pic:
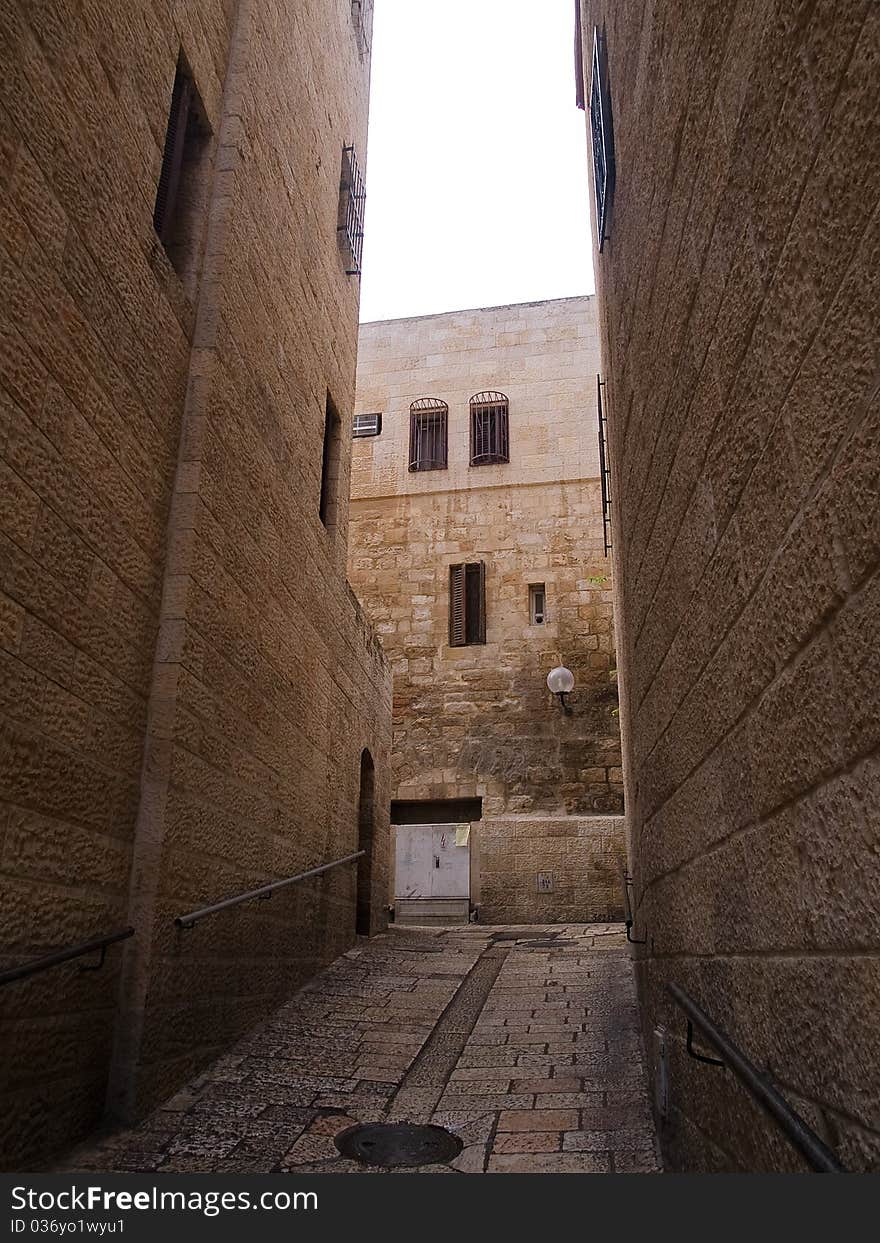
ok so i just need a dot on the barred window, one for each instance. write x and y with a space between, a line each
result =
467 604
428 434
350 222
490 440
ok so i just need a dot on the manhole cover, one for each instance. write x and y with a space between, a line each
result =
398 1143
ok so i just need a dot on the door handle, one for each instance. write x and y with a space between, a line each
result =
436 861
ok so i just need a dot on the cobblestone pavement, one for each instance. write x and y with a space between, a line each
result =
522 1041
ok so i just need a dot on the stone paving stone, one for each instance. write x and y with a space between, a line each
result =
550 1163
482 1103
566 1100
538 1120
539 1086
532 1054
636 1163
608 1141
527 1141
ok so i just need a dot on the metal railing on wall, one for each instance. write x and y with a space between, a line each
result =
36 965
604 470
191 918
796 1130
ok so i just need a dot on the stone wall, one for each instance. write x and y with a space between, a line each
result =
740 300
478 720
187 681
550 869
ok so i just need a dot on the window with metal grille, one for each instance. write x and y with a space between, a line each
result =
537 604
350 223
601 137
490 440
428 434
367 425
181 194
467 604
362 20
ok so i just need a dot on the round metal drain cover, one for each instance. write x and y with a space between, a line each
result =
398 1143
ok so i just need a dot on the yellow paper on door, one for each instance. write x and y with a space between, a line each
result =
462 834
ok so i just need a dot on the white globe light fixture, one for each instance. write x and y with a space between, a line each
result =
560 681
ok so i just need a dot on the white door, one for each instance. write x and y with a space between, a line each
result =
432 861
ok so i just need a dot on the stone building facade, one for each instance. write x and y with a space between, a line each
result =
739 286
478 738
192 703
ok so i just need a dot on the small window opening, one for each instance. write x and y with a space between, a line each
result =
537 604
367 425
182 193
328 504
467 604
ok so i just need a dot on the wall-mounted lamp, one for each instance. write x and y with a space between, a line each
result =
560 681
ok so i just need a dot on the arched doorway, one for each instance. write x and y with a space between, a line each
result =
365 843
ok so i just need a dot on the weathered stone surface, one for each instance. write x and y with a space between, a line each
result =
740 289
254 1110
187 680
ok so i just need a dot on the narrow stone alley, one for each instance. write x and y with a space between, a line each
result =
522 1042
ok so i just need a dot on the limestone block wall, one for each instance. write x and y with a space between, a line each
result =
478 720
550 869
740 300
187 682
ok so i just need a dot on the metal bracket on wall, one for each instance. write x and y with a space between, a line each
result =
700 1057
629 921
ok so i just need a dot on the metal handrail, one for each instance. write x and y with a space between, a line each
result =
65 955
628 918
796 1130
265 891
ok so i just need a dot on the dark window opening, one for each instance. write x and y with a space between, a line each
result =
350 221
428 434
328 504
537 604
182 193
366 816
467 604
367 425
436 811
490 438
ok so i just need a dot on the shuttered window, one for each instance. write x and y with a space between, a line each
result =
490 438
467 604
428 434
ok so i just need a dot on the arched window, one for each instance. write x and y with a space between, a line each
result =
427 434
490 440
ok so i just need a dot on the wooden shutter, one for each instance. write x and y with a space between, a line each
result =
172 156
457 635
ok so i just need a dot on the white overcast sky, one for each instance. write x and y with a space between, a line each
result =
477 160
